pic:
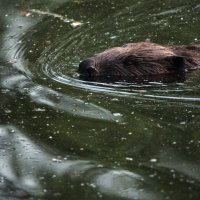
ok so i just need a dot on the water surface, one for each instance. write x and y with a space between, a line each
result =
65 138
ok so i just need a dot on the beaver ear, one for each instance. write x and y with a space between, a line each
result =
177 63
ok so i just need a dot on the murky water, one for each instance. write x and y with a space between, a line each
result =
65 138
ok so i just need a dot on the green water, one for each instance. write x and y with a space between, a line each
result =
65 138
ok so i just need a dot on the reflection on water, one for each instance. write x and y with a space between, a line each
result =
47 96
61 136
33 165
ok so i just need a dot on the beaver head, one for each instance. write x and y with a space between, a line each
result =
133 60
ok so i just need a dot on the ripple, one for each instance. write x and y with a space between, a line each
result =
155 115
112 182
152 90
58 46
46 96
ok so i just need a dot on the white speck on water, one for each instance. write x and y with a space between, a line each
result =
45 190
39 110
153 160
117 114
174 142
7 111
113 37
76 24
56 160
114 99
54 176
93 185
129 159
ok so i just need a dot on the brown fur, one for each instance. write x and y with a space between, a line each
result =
142 59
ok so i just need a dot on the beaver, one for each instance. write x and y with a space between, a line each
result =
142 59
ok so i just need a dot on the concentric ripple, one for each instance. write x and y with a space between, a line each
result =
58 66
63 136
66 45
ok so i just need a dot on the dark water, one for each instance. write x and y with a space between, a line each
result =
63 138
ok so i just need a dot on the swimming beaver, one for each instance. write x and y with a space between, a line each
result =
141 59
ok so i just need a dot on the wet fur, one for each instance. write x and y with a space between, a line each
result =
141 60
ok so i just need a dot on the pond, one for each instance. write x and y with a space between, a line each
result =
66 138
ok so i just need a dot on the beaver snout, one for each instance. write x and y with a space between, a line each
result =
86 68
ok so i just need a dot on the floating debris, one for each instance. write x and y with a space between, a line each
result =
73 23
24 13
